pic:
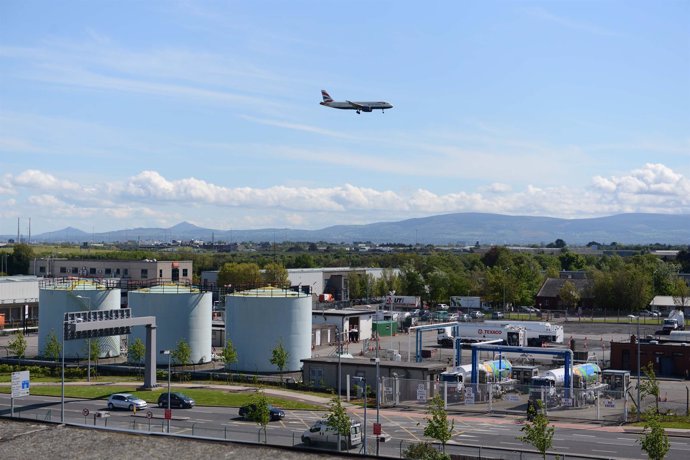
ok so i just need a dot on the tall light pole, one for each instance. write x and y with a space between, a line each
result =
169 409
88 344
363 381
638 369
62 385
505 270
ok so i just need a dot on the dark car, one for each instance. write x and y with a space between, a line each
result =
176 400
497 315
274 412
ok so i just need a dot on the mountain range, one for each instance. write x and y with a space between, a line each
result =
457 229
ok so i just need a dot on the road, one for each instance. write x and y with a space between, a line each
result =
402 428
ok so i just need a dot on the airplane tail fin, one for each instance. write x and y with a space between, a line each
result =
326 97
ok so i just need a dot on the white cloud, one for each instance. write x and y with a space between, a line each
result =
150 197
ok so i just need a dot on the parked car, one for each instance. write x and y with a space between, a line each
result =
321 432
125 401
176 400
453 317
497 315
477 315
442 306
465 318
425 316
274 412
527 309
651 314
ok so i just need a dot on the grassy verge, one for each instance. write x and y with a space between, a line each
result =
203 397
672 421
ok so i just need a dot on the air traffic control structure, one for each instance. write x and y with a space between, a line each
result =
106 323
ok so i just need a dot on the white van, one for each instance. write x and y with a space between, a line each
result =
322 433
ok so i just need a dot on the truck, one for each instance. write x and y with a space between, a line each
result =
674 322
536 333
480 332
492 371
323 433
587 375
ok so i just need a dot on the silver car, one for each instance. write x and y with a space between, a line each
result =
125 401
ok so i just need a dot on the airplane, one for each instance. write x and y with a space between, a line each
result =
349 105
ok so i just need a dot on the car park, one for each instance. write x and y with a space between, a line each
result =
125 401
273 412
176 400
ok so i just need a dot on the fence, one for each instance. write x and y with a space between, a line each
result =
596 403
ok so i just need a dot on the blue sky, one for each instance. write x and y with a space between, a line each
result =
124 114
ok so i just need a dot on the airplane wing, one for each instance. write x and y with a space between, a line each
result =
358 106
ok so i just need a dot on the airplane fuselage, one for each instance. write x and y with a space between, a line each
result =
366 106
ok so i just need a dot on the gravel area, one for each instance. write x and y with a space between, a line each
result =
26 440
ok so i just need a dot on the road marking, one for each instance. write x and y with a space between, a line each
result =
584 435
605 451
511 443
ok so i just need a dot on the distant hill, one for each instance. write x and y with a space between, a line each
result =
459 228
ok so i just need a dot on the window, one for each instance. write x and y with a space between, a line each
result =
63 269
92 271
75 270
42 269
160 273
108 271
126 272
117 272
144 273
184 272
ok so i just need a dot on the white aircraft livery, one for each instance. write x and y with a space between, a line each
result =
350 105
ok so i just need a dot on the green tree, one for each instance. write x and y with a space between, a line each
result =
569 295
94 352
19 261
18 345
52 348
654 439
649 386
259 411
537 431
136 351
276 274
229 355
338 418
182 354
424 451
279 358
239 275
437 424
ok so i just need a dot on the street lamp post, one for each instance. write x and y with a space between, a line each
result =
88 305
169 409
638 364
363 381
638 369
62 384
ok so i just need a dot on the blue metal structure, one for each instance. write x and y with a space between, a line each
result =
431 327
566 353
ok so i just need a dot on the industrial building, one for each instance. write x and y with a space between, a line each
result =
668 359
130 270
181 312
18 300
257 320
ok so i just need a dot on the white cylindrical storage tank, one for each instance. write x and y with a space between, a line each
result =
258 320
182 313
54 301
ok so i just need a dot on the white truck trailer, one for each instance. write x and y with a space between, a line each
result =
481 332
536 332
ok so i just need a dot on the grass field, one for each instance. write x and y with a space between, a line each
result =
202 396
